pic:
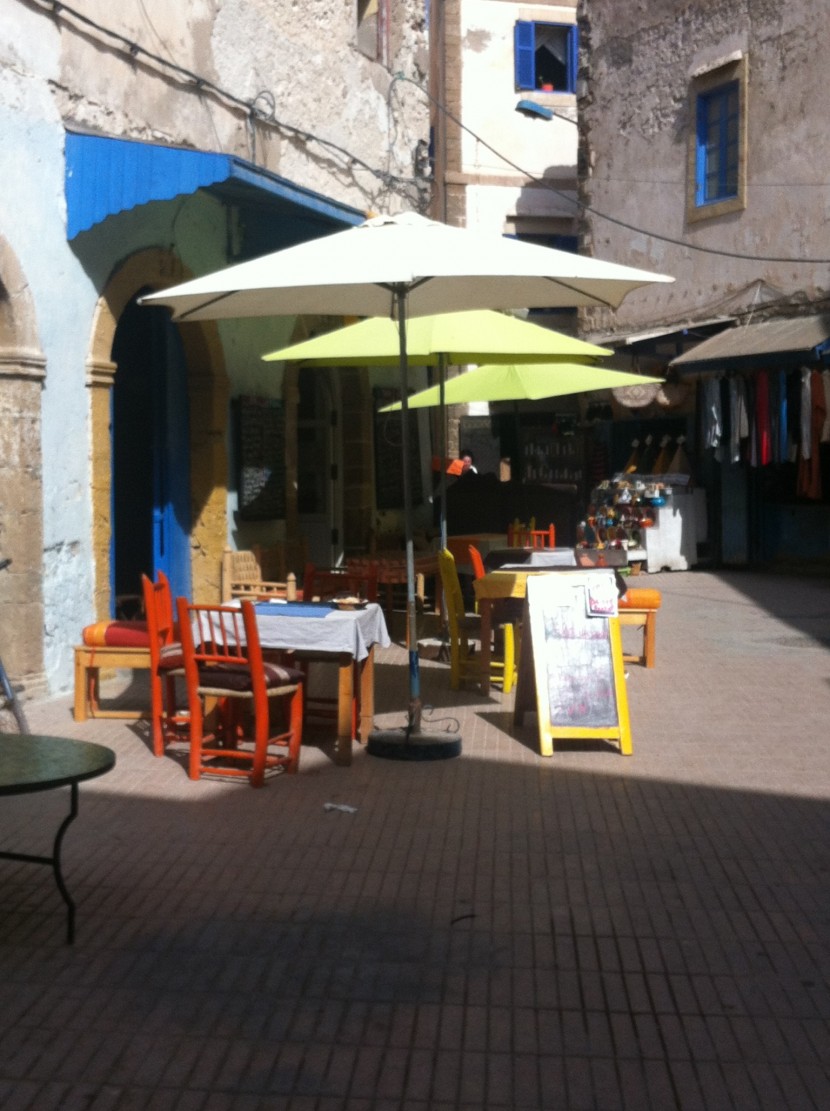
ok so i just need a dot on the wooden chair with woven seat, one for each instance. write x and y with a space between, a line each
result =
223 661
168 723
465 627
242 577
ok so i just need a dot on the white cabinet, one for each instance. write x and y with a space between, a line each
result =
671 542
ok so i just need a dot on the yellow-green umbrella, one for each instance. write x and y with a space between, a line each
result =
522 382
474 336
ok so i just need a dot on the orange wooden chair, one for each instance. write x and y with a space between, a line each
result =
524 536
166 663
223 660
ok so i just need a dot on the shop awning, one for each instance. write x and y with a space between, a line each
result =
804 336
105 176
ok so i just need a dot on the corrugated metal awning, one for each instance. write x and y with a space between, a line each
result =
807 336
105 176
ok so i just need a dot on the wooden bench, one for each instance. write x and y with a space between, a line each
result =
108 645
638 607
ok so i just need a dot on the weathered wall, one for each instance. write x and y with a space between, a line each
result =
274 81
500 151
638 62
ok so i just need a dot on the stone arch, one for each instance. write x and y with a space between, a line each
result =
156 268
22 371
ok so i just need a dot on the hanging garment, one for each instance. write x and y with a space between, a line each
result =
762 418
738 417
806 411
793 415
808 484
782 417
712 419
825 431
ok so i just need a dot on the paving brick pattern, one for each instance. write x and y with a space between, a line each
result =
498 931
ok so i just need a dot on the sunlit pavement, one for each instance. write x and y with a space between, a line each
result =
501 930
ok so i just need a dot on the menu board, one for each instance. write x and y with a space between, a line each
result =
261 455
577 666
389 453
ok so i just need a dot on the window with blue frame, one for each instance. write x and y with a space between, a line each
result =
546 56
718 127
717 140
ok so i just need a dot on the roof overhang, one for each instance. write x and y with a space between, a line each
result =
105 176
805 337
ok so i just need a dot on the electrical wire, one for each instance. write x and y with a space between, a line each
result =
587 208
203 84
389 180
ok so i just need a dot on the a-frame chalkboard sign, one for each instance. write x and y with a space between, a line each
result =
572 672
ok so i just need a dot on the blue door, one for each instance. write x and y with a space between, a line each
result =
150 454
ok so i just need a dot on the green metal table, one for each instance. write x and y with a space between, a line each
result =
34 763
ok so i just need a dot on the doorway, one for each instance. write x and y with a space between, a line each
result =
317 469
151 517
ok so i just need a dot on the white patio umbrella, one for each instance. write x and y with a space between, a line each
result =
402 266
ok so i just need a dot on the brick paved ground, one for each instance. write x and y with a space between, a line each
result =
496 931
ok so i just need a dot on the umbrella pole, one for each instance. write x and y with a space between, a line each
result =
410 743
411 615
442 437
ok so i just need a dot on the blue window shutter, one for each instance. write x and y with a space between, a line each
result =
573 58
524 40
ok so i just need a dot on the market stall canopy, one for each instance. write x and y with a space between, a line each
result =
473 336
523 382
805 336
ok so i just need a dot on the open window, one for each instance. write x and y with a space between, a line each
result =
717 141
546 56
373 29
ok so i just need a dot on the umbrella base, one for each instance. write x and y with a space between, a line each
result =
401 744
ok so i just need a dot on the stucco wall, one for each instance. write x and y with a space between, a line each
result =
635 117
326 117
501 149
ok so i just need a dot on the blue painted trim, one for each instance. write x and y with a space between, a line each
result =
105 176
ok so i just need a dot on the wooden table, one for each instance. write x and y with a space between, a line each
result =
30 764
346 637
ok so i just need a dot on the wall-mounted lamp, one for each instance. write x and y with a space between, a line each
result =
534 110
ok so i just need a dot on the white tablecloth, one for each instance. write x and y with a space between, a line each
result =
350 631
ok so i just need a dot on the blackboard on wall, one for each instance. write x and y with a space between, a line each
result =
389 453
261 457
576 674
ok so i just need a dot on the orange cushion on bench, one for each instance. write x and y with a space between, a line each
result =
640 598
117 634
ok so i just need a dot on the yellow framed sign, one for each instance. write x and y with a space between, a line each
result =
573 663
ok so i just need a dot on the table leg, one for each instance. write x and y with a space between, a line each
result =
345 700
485 609
55 861
367 695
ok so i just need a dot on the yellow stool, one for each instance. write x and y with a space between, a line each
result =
638 607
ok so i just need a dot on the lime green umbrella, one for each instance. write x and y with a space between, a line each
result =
474 336
522 382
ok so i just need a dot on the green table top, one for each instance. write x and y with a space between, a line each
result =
36 763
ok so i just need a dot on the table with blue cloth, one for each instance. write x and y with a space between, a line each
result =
346 636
